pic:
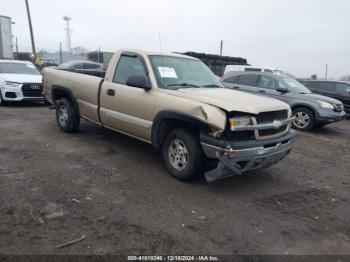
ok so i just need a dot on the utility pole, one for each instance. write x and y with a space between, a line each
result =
17 49
61 59
31 30
221 46
68 32
326 72
99 55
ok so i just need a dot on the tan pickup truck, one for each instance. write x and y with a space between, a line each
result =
175 103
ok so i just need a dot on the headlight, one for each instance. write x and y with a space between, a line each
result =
239 121
324 104
13 84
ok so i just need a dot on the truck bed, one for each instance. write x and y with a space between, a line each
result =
84 88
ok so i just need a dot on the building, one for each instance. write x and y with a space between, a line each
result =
5 38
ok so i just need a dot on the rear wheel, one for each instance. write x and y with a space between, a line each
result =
304 119
183 155
68 119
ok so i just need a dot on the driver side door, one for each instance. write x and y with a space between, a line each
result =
126 108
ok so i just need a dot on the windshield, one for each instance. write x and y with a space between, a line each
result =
294 86
178 72
18 68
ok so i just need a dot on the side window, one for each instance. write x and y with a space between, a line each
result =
326 86
310 84
343 88
77 66
250 69
268 71
248 80
267 82
90 66
128 66
231 79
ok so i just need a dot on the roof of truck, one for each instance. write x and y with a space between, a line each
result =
144 52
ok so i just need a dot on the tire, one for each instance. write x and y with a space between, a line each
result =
67 118
184 165
304 119
2 102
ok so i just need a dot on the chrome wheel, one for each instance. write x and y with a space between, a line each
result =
63 115
301 120
178 154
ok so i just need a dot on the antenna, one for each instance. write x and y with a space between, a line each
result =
68 32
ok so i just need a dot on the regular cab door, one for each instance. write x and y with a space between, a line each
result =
126 108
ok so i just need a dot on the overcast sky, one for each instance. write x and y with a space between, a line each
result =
299 36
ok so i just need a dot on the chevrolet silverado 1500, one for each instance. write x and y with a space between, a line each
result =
175 103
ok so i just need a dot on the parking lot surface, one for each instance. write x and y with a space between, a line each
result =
114 190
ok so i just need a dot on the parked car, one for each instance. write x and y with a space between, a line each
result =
175 103
19 80
249 68
310 110
84 67
337 89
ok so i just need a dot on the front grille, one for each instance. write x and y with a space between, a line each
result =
338 107
269 117
32 90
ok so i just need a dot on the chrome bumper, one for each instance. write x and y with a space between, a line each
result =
236 162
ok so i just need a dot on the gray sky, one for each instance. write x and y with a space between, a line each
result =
299 36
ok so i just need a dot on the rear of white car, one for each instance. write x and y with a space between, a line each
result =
19 81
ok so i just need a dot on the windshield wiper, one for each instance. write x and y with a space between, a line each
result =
183 84
212 86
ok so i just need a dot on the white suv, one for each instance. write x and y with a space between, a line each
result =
246 68
19 80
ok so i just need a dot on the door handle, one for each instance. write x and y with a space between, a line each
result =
261 91
236 87
110 92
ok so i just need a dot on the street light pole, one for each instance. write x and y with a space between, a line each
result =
31 30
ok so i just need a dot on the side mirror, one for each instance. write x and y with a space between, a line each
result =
138 81
282 89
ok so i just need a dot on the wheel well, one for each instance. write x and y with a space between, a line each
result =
169 124
59 92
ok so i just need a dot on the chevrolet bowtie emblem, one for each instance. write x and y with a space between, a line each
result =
277 124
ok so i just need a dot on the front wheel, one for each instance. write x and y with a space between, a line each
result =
68 119
183 155
304 119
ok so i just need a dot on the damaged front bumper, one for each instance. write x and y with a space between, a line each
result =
238 157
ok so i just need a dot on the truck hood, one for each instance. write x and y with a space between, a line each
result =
22 78
232 100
